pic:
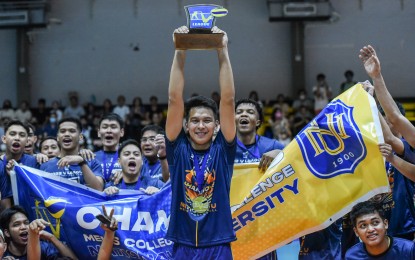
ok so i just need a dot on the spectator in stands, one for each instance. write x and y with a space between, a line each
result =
302 100
51 127
56 110
70 164
301 119
282 104
155 108
133 178
371 227
23 239
121 108
91 113
40 114
322 93
49 146
7 111
254 96
153 148
216 97
74 110
137 117
279 123
23 114
106 107
349 81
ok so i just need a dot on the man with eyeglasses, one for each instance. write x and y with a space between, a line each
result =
153 148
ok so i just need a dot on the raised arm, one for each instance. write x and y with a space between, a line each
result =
176 86
395 142
227 91
372 66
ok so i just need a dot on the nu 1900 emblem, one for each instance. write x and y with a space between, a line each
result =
332 143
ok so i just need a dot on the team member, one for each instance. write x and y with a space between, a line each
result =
31 140
49 146
401 123
201 169
23 239
111 130
15 137
153 147
69 164
133 178
251 147
371 227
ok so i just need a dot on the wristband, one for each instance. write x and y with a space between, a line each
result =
82 163
162 157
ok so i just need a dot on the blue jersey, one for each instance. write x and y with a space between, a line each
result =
323 244
5 183
152 170
253 153
349 238
143 182
109 163
402 220
197 210
72 172
47 251
399 249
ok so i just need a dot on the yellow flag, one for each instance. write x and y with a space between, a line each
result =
332 164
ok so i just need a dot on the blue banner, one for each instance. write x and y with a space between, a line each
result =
71 209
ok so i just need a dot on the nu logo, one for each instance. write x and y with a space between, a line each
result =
332 143
52 212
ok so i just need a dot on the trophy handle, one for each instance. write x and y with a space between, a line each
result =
193 41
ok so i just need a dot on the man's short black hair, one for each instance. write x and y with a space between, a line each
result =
400 107
365 208
72 120
348 72
30 126
200 101
321 76
16 122
125 143
256 105
155 128
48 138
6 216
112 117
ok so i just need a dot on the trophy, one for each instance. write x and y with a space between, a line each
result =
200 21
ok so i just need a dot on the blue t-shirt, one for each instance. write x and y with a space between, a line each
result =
47 252
72 172
399 249
111 163
253 153
143 182
200 218
323 244
152 170
402 220
5 183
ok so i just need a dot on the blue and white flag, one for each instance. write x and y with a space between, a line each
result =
71 209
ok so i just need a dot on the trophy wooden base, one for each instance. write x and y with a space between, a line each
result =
194 41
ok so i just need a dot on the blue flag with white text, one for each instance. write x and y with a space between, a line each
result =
71 209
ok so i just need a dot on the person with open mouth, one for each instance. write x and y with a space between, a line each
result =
130 159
